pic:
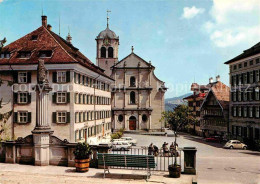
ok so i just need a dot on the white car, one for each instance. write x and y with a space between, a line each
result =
121 145
130 140
235 144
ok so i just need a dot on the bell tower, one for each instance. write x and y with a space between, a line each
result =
107 48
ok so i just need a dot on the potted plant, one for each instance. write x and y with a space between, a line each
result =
82 156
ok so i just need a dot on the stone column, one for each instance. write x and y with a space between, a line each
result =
42 130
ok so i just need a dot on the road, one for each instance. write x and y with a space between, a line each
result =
215 165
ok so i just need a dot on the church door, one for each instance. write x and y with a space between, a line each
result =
132 123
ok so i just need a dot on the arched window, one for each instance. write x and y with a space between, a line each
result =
103 52
132 81
132 97
110 52
120 118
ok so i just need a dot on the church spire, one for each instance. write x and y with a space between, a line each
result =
108 11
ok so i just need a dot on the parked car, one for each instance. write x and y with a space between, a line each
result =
130 140
235 144
121 145
214 139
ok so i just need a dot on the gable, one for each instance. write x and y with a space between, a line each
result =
132 61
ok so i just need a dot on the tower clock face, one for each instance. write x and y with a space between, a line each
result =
106 42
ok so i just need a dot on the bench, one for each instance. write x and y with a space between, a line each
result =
124 160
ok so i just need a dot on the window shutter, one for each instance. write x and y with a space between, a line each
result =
54 77
54 97
15 77
15 98
29 77
29 96
54 117
242 78
68 97
68 117
68 76
84 116
29 117
15 117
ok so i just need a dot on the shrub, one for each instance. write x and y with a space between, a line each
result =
82 151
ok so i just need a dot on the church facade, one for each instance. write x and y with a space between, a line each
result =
137 94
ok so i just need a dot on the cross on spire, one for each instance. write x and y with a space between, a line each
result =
108 11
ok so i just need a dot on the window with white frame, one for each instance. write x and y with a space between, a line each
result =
22 97
234 111
22 117
245 111
61 97
239 111
257 112
250 112
61 76
61 117
22 77
256 93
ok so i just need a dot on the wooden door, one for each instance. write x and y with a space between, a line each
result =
132 124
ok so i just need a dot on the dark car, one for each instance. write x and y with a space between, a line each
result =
214 139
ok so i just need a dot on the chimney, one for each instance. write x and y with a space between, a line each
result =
49 27
68 38
211 80
217 78
44 21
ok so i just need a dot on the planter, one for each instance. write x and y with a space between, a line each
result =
82 165
174 171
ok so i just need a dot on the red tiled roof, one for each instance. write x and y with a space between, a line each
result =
62 51
221 92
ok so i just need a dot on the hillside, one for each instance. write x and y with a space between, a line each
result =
171 103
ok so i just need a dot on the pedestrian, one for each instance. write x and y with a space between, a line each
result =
150 149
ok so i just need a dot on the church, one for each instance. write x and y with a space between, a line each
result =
137 94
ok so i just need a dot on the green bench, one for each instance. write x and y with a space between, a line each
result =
123 160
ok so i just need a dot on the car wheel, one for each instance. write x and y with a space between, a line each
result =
231 147
244 147
122 149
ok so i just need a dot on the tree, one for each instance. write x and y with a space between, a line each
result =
177 119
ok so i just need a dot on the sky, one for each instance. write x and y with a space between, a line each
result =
186 40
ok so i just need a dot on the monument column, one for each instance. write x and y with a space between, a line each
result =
42 130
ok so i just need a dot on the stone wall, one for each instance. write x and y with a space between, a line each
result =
21 151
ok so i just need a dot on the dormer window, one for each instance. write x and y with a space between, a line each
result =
24 54
34 37
45 53
5 55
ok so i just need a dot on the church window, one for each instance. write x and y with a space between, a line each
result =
103 52
144 117
132 81
110 52
120 118
132 97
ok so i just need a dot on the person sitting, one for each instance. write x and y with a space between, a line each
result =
150 149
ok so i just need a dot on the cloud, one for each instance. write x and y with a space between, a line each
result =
1 1
234 22
189 13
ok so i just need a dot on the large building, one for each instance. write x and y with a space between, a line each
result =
194 103
214 110
79 104
244 105
138 95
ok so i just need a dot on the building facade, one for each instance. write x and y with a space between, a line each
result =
244 107
214 110
79 104
194 102
138 95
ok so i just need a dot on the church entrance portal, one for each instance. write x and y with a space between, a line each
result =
132 123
